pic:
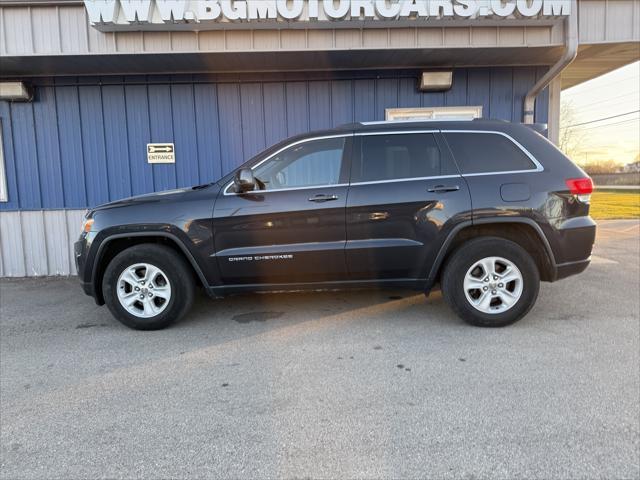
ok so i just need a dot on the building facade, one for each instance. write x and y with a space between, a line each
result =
220 80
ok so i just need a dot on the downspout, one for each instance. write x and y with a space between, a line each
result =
570 52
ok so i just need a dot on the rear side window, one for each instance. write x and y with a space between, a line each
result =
487 153
397 156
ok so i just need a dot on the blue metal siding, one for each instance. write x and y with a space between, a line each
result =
92 132
161 121
458 94
207 131
229 113
83 140
253 118
24 148
501 92
116 140
341 102
71 151
184 134
364 92
297 102
138 134
275 110
48 148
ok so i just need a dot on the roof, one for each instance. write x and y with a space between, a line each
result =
390 126
475 124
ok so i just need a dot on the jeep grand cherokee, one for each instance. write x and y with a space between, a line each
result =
487 209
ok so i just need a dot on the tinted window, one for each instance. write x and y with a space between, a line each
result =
316 162
487 152
390 157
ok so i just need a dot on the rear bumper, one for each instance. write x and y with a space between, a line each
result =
573 244
565 270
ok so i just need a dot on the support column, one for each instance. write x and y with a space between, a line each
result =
555 88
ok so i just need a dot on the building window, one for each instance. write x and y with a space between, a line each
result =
4 195
434 113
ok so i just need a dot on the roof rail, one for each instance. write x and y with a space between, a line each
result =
541 128
448 119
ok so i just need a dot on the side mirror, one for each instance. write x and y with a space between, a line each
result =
244 180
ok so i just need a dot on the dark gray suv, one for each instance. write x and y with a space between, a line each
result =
485 208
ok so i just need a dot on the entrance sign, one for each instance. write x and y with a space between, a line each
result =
153 14
161 153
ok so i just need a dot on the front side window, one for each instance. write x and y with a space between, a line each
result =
487 153
307 164
396 157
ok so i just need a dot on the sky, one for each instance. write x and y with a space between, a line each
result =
614 94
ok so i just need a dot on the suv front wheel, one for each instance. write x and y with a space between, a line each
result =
490 282
148 287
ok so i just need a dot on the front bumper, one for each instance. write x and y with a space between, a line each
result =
80 253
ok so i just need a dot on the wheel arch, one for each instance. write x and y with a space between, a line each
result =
523 231
116 243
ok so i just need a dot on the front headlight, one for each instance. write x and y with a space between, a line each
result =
87 222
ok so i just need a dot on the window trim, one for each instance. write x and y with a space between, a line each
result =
4 192
539 167
529 155
289 145
409 179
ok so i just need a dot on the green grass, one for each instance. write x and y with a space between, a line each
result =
611 204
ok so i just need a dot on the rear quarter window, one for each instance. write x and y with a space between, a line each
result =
487 153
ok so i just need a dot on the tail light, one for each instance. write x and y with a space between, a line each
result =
582 188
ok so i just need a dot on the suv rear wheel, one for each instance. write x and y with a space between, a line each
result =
148 287
490 282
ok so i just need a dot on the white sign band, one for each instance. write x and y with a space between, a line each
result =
137 13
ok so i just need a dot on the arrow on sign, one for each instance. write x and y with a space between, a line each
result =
167 149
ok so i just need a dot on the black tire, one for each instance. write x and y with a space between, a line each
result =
465 257
177 271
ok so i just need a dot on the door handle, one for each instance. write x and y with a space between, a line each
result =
323 198
444 188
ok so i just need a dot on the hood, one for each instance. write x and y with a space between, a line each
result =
166 195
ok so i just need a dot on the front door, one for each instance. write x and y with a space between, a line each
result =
292 229
404 191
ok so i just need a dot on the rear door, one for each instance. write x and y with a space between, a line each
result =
293 229
405 190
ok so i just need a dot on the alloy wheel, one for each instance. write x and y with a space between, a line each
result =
144 290
493 285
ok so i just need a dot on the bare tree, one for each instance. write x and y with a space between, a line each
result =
570 137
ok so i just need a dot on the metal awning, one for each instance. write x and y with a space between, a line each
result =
48 65
598 59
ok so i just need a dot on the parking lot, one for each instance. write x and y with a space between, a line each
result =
333 385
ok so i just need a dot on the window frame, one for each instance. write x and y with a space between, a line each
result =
288 159
444 155
413 114
345 158
538 166
4 192
348 154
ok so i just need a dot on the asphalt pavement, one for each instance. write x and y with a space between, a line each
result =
365 384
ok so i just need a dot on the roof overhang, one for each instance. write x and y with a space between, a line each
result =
275 61
598 59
